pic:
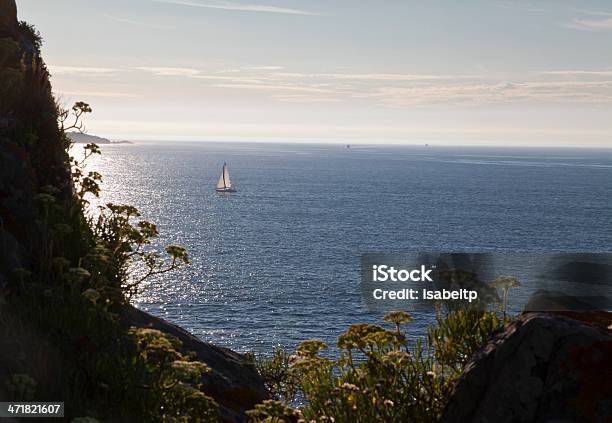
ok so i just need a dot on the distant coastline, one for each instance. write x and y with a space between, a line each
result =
80 138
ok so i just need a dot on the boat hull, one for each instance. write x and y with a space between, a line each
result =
225 190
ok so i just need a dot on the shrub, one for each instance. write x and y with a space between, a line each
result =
281 382
32 34
380 375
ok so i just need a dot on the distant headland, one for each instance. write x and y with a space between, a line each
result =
80 138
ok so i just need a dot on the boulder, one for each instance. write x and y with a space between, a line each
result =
233 382
540 368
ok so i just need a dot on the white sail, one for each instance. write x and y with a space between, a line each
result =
228 181
221 182
224 182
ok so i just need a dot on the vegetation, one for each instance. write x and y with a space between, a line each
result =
380 375
32 35
61 329
505 283
281 381
70 303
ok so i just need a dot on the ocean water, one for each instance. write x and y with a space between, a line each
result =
278 262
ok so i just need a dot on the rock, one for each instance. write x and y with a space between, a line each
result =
233 383
540 368
8 19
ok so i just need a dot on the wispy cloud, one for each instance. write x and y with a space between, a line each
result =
385 89
579 72
182 72
495 92
240 7
522 6
265 68
591 24
105 94
305 98
364 76
407 89
169 71
134 22
275 87
591 20
82 70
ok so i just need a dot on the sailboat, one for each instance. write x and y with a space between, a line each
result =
225 183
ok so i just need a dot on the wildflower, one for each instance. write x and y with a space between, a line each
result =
388 403
397 358
311 347
398 317
355 336
350 386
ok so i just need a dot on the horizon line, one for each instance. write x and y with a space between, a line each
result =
351 142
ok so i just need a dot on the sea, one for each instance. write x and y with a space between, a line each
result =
278 262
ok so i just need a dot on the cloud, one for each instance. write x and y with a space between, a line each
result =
109 94
269 68
387 89
363 76
241 7
305 98
594 25
275 87
593 21
83 70
523 7
168 71
577 72
193 73
138 23
494 92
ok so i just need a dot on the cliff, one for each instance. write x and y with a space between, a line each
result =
66 330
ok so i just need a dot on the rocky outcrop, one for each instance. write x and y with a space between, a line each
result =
31 151
233 382
540 368
8 18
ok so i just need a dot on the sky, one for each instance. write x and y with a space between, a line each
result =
372 71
